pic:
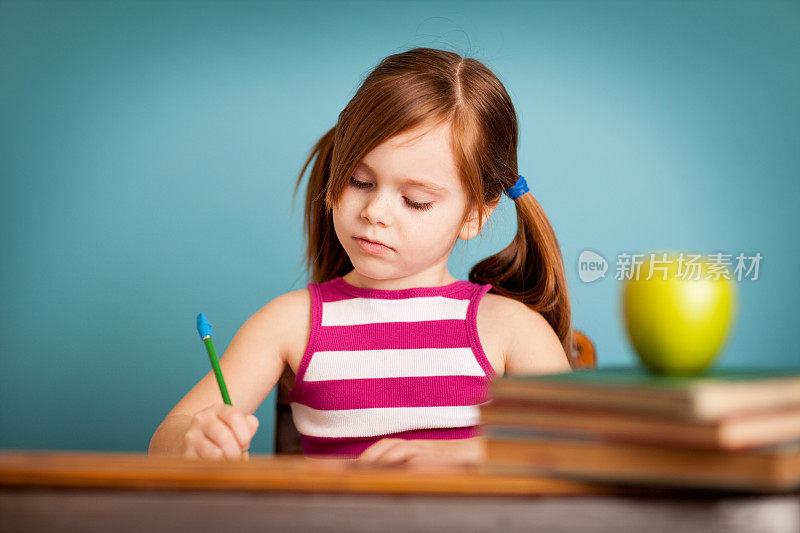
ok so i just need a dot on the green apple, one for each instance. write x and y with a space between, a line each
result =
676 324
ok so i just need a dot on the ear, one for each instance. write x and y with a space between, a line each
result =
471 227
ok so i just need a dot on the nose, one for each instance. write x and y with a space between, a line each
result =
376 210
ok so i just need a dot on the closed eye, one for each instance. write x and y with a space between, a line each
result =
413 205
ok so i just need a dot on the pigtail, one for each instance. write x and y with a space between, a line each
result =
531 270
325 257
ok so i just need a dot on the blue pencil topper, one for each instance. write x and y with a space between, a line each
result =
203 326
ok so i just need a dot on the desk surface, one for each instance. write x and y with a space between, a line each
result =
80 491
286 473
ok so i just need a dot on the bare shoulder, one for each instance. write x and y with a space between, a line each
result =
525 340
292 301
293 310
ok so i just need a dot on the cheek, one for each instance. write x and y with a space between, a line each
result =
347 204
339 221
345 215
438 229
428 238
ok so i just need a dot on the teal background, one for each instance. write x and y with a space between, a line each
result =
148 152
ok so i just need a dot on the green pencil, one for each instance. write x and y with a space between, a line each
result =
204 329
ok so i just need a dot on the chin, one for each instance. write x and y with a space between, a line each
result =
369 269
370 272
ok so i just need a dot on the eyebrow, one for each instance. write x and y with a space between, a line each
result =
411 181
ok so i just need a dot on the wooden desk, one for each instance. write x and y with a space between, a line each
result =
78 491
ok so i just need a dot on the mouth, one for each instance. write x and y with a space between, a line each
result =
373 244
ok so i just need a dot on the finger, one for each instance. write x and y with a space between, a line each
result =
372 451
396 455
190 453
220 434
376 450
191 440
206 449
431 463
237 422
252 424
430 457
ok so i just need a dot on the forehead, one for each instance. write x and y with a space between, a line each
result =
421 154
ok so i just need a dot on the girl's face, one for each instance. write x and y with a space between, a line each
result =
407 195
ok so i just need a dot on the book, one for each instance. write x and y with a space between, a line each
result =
738 432
717 394
768 469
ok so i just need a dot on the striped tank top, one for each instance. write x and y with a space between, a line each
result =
381 363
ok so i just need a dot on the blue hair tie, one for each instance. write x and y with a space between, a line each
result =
518 189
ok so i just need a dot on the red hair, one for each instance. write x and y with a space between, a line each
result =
429 86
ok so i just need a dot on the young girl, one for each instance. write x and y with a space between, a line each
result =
392 355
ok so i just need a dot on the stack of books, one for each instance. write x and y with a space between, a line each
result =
731 429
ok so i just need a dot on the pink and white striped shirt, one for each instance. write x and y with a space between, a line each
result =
384 363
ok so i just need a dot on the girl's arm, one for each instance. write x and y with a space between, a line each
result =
251 365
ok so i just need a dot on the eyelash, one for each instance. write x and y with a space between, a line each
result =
412 205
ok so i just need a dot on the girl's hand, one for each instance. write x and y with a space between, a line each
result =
219 432
423 452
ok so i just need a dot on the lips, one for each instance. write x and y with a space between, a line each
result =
374 242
